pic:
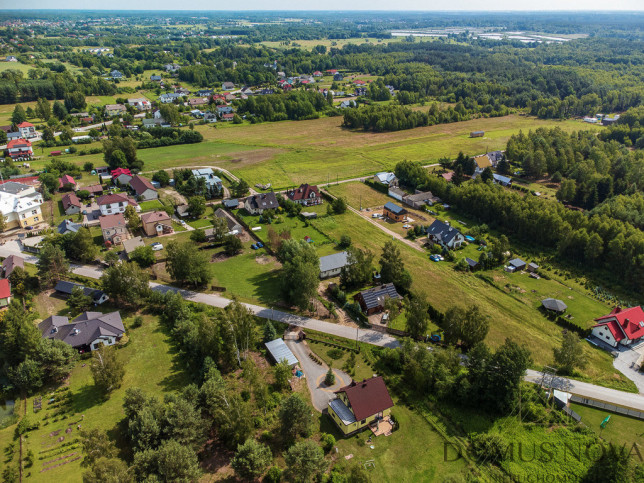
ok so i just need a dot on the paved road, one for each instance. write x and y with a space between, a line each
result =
590 391
321 394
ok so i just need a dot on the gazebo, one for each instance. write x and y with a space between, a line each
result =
554 305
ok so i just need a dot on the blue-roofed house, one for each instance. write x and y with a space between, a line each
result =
394 212
445 235
385 178
155 78
213 182
502 180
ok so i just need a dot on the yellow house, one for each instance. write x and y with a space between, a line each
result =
360 404
20 210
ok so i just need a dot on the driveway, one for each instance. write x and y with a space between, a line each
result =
628 362
321 394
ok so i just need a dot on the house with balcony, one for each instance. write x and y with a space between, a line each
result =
20 149
114 228
156 223
27 130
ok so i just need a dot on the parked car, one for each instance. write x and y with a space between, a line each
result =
253 246
260 245
156 246
435 258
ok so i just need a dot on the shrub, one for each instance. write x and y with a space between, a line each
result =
335 353
327 441
137 322
273 475
489 447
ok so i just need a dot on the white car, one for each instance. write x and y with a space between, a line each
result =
157 246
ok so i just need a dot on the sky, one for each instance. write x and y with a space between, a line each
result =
398 5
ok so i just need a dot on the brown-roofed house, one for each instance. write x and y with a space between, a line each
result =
306 195
362 404
71 204
143 188
10 263
94 190
156 223
114 228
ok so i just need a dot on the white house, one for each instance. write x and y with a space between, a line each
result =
213 182
385 178
27 130
445 235
20 208
621 326
331 265
115 203
141 103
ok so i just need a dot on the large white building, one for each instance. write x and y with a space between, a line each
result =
20 205
213 182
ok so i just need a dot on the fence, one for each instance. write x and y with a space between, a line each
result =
608 407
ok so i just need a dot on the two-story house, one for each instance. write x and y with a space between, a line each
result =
213 182
27 130
115 203
306 194
19 149
114 228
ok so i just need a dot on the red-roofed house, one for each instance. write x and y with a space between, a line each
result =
361 404
20 149
115 203
5 292
332 71
621 326
71 204
306 195
359 82
156 223
317 73
66 182
26 130
143 188
114 228
121 176
228 117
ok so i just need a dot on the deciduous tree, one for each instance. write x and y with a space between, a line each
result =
107 370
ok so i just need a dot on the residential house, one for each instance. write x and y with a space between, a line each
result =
280 352
11 58
94 189
13 135
204 93
27 130
332 71
338 77
621 326
5 292
445 235
361 91
143 188
156 223
213 182
19 189
196 113
306 195
348 104
227 86
168 98
132 244
231 204
19 149
396 193
495 157
420 199
183 91
234 227
477 134
66 182
394 212
448 176
317 73
10 263
197 101
247 91
102 170
71 204
517 264
210 116
140 103
115 74
221 110
361 405
502 180
115 110
391 90
229 97
228 117
172 67
256 204
98 296
121 176
114 228
20 210
332 265
67 226
182 211
115 203
85 333
386 178
482 162
155 78
372 300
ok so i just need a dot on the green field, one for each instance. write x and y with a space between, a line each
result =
620 430
151 364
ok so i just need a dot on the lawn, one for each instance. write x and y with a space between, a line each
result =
152 205
326 353
151 363
359 195
620 430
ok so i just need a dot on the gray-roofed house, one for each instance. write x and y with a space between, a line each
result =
373 300
68 226
473 264
132 244
418 200
445 235
98 296
86 332
396 193
10 263
554 304
385 178
155 78
532 267
234 228
213 182
331 265
517 263
232 204
182 211
256 204
280 352
227 86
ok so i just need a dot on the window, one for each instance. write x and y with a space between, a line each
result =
36 219
33 212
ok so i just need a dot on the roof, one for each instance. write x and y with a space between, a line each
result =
375 297
119 171
230 221
630 320
25 124
94 189
19 143
483 161
385 177
112 221
234 203
470 262
614 328
422 196
441 230
333 262
394 208
396 191
279 351
115 107
132 244
517 263
84 329
66 226
14 188
10 263
112 198
140 184
154 217
368 397
448 176
343 412
70 199
264 201
502 179
303 192
5 289
554 304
